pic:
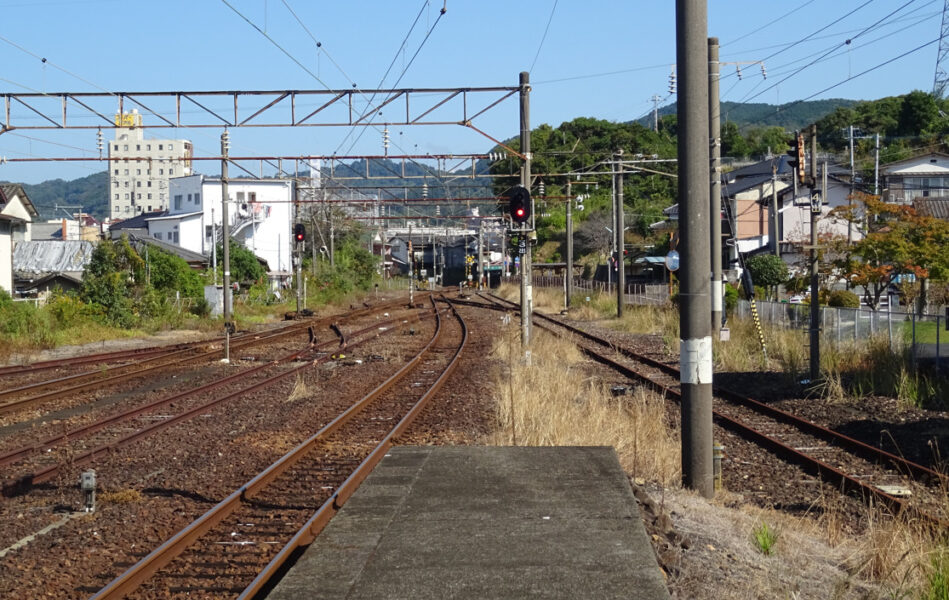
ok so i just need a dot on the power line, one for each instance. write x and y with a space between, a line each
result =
845 43
768 24
544 37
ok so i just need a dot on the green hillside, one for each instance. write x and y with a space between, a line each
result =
791 116
91 193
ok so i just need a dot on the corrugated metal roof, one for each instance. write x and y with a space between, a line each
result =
932 207
52 256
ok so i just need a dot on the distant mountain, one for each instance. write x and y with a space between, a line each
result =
91 193
791 116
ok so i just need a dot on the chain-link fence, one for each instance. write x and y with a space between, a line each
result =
924 336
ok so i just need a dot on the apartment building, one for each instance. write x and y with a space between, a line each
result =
140 168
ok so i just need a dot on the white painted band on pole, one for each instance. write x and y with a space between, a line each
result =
695 361
716 295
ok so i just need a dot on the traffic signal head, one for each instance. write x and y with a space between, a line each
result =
519 204
299 232
796 154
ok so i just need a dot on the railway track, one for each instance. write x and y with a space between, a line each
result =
108 435
851 465
156 359
237 548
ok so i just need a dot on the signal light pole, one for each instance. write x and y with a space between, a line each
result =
226 235
526 288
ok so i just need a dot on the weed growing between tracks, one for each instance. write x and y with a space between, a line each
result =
552 403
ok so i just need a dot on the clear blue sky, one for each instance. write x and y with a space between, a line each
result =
598 58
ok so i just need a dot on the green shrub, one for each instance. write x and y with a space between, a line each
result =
731 297
843 299
765 538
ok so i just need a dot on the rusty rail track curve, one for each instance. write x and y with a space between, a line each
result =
24 483
91 379
833 439
276 484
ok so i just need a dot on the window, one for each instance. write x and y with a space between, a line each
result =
171 171
149 208
149 184
158 236
128 208
138 146
189 198
116 172
177 201
174 237
149 197
197 199
138 171
126 172
116 196
171 146
125 147
161 197
252 196
138 184
139 196
208 231
126 196
116 147
126 184
160 147
161 171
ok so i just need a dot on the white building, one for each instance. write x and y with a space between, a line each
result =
16 215
140 169
260 212
925 176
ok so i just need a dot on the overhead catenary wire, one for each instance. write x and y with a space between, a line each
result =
543 38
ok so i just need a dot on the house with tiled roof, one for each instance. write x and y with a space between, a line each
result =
925 176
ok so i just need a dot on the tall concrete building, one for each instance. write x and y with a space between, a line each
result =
139 168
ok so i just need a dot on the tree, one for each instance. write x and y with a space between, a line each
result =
768 271
898 242
244 265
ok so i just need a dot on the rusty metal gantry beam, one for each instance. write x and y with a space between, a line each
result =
276 108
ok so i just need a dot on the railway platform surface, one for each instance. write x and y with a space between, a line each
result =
484 522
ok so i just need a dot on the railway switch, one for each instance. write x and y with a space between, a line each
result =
87 483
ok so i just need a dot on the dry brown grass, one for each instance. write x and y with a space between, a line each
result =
299 390
126 496
551 403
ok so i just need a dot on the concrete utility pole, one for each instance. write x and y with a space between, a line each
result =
618 230
695 345
655 112
774 237
815 301
569 271
853 175
715 189
480 254
226 235
876 168
527 304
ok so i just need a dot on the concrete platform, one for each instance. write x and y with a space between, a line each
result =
484 522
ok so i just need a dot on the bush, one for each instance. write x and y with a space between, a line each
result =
731 297
843 299
201 307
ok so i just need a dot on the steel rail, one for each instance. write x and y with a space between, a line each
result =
334 503
95 378
133 577
92 358
843 480
24 483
